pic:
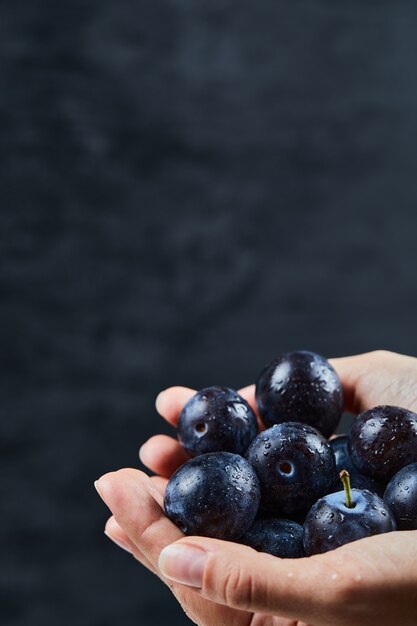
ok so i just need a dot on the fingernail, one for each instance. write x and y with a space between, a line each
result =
140 452
118 542
183 563
159 402
101 485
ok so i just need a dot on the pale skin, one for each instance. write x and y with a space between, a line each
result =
218 583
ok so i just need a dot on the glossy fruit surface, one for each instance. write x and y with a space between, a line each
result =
383 440
300 387
343 461
360 481
295 466
401 497
342 456
330 523
216 419
279 537
213 495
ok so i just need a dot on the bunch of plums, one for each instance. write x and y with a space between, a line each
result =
280 485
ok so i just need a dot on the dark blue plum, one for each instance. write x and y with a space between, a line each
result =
343 461
360 481
279 537
216 419
383 440
342 457
331 524
300 387
295 467
401 497
214 495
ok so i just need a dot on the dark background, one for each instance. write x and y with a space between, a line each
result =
187 189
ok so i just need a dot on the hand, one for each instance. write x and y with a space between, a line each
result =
371 581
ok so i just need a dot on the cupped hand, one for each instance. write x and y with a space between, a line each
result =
371 581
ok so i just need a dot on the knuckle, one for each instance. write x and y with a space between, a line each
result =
345 592
380 354
239 588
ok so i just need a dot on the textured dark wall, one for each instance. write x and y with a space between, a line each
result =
187 188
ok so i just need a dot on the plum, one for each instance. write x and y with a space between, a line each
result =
302 387
401 497
383 440
214 495
279 537
343 517
216 419
344 462
295 467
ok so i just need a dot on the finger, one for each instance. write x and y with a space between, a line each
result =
137 506
160 484
349 369
113 531
163 455
116 534
355 371
239 577
130 495
378 377
135 503
248 393
170 402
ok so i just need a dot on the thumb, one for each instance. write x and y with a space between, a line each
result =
240 577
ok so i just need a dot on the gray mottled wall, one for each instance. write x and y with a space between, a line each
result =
187 188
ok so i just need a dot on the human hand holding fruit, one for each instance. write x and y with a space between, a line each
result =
371 580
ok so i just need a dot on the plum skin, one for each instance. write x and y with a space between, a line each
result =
279 537
300 386
383 440
344 462
295 466
216 419
401 496
343 459
213 495
331 524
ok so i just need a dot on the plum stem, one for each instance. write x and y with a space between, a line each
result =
344 477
